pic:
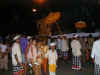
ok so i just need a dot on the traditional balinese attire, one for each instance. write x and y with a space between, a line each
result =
52 59
4 57
32 54
16 50
65 48
59 47
96 56
38 63
76 51
44 60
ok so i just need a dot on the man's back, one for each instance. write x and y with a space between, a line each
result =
76 48
96 51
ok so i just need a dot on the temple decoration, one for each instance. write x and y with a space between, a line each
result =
45 25
80 24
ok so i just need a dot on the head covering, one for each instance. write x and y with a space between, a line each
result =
29 37
16 37
53 44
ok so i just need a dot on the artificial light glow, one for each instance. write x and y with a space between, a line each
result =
80 24
34 10
52 17
39 1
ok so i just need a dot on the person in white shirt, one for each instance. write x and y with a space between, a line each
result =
4 57
96 56
76 52
52 59
17 57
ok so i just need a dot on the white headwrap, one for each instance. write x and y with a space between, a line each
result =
53 44
16 37
29 37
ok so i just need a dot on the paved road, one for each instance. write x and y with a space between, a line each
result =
64 69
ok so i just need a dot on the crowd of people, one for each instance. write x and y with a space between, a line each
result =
41 55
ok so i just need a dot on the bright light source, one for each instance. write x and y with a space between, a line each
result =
39 1
34 10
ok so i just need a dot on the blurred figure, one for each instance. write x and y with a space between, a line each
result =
52 59
49 41
4 56
27 55
38 59
84 51
59 43
65 48
76 51
23 45
96 56
45 49
32 53
17 56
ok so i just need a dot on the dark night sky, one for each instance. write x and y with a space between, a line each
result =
16 15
